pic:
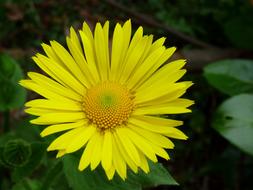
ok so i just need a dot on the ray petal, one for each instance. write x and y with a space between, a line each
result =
62 127
55 118
107 151
81 139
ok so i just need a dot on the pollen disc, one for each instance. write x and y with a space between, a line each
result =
108 105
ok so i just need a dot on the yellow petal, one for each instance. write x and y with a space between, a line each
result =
142 144
107 150
62 141
97 152
124 154
158 43
147 124
43 91
128 145
60 153
55 118
160 152
144 67
164 57
132 59
166 86
117 48
146 52
158 110
80 60
159 121
86 30
144 164
101 52
62 127
176 134
110 173
118 160
87 153
60 74
170 96
81 139
74 38
163 72
128 50
54 86
154 138
51 54
90 56
55 105
69 62
38 111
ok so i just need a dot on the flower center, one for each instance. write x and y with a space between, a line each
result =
108 105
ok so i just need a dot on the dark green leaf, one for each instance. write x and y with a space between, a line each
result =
52 174
234 121
27 184
231 76
158 175
12 95
96 180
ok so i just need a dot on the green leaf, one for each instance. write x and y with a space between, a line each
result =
231 76
38 151
53 173
27 184
239 30
158 175
97 180
234 121
12 95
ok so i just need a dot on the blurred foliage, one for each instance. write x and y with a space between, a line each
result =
218 154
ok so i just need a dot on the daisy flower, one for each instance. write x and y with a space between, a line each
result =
108 100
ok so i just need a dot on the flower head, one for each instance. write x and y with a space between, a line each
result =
108 101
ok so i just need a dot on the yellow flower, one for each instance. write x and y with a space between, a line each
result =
109 100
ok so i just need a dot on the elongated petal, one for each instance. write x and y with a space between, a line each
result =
86 156
129 146
141 143
54 86
60 74
124 154
155 138
70 63
152 69
62 127
101 50
81 139
144 163
45 92
89 52
118 160
97 151
80 60
145 66
62 141
151 126
110 173
55 105
55 118
107 151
